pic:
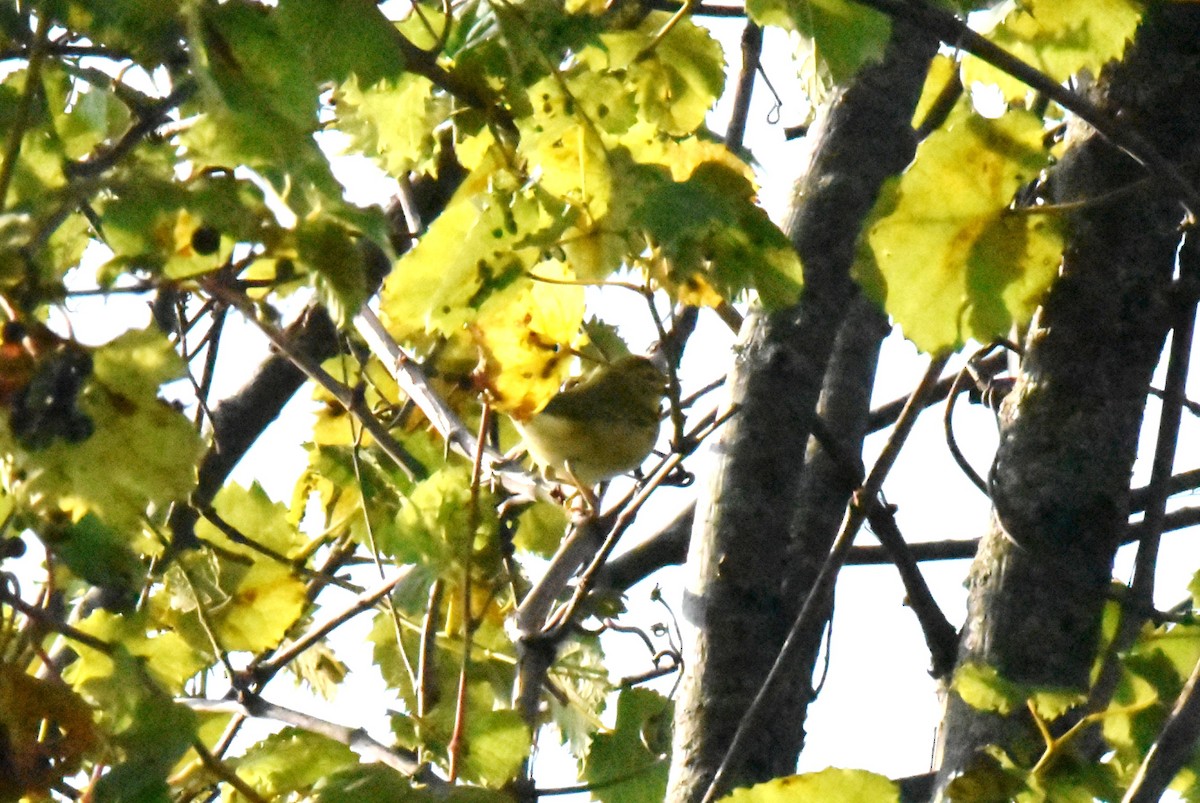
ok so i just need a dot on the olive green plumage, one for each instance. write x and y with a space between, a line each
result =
601 427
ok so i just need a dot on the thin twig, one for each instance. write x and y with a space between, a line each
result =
1168 754
699 10
1174 392
752 40
363 602
226 773
238 537
105 159
886 414
344 395
940 636
458 735
822 587
355 738
46 620
960 384
415 385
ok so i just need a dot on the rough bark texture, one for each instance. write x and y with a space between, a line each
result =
734 594
829 480
1060 481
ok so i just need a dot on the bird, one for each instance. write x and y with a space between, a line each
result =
603 426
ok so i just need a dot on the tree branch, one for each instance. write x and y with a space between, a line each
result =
355 738
823 585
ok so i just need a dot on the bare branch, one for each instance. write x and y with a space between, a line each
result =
355 738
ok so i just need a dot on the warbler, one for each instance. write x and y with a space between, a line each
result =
604 426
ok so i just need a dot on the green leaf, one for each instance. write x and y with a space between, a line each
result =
710 233
328 249
258 100
1059 38
677 82
981 686
629 765
327 26
148 29
845 35
367 783
497 744
142 453
827 785
582 677
1136 703
540 528
436 524
98 554
950 260
291 761
392 121
148 731
150 222
249 598
254 515
166 656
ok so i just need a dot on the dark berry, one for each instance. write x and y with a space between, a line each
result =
206 240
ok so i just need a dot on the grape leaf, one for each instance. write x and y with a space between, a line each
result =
326 26
166 655
392 121
1059 38
944 252
634 751
845 35
981 686
829 784
675 83
46 730
710 233
249 599
142 454
291 761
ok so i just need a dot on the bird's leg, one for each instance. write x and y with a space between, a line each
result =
591 505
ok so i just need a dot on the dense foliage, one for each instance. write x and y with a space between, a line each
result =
189 152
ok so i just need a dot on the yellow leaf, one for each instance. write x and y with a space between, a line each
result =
565 153
166 654
827 785
392 121
941 73
676 83
264 606
950 260
525 332
473 242
1059 38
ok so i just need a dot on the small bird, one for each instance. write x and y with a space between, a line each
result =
604 426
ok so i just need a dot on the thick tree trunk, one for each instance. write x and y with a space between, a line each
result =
1060 481
735 598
